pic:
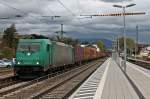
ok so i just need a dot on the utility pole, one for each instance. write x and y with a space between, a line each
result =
125 42
61 31
114 45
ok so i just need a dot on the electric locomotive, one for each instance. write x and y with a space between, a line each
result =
35 56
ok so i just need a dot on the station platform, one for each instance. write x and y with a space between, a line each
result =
110 81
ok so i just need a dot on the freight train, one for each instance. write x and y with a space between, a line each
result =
36 56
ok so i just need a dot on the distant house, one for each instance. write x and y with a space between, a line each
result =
142 46
145 51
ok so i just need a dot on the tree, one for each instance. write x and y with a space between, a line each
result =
130 44
85 42
70 41
100 44
9 39
8 52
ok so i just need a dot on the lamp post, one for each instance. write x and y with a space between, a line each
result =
124 30
118 47
136 41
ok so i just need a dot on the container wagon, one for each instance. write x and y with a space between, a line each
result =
86 54
79 54
93 53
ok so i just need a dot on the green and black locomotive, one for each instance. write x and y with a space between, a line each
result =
35 56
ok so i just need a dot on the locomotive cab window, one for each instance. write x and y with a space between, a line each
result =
29 47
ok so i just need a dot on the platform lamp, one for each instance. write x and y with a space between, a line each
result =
124 30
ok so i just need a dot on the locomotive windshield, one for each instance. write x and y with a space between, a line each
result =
29 47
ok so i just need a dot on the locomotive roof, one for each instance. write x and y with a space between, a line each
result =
45 40
62 44
34 40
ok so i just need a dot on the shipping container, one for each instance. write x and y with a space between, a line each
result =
79 54
93 53
86 53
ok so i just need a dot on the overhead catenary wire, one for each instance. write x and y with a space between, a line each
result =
23 13
54 15
3 2
16 9
19 10
73 14
79 7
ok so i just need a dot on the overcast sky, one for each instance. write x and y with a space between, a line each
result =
75 25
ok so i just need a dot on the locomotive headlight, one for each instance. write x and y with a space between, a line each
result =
37 63
18 63
28 54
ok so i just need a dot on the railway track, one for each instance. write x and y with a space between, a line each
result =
9 81
5 68
12 80
39 87
15 84
65 88
5 71
142 63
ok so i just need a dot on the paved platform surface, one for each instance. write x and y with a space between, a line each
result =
139 68
109 81
141 78
117 85
88 89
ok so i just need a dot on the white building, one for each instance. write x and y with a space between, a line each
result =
145 51
94 45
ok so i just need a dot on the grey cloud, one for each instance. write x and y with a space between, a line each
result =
97 27
115 0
